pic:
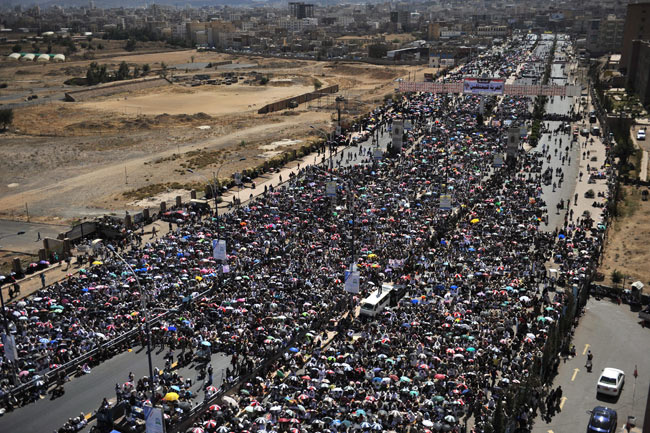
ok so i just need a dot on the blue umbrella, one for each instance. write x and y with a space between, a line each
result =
172 328
44 340
206 343
406 325
415 301
294 350
175 388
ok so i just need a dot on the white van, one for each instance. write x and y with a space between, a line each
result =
378 300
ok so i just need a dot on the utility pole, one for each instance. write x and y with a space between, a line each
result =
27 211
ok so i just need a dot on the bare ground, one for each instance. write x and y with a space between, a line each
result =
626 249
70 160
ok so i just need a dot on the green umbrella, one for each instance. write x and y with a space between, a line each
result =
438 398
280 374
471 349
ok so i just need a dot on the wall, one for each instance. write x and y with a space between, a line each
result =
305 97
113 88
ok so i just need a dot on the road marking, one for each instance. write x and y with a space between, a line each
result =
562 401
575 373
584 352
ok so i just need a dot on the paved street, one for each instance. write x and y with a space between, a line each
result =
27 242
616 339
86 393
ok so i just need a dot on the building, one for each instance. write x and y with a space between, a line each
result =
493 31
638 70
637 26
300 10
605 35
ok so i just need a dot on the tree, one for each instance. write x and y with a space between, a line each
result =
96 74
377 51
49 48
136 71
317 84
130 45
146 69
122 72
6 117
617 276
17 48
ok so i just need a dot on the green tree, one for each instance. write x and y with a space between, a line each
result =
377 51
122 72
17 48
49 48
146 69
617 276
6 117
130 45
136 71
317 84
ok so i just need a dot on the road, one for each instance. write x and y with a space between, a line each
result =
613 334
27 242
86 393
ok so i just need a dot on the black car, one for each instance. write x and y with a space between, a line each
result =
603 420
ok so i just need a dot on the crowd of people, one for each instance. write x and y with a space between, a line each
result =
472 325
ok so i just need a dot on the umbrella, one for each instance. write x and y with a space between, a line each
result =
196 430
170 396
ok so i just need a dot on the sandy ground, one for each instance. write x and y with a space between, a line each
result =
74 160
212 100
627 245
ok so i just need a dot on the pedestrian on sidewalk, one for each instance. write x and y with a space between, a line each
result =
42 276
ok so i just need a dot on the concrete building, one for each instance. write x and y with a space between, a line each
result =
300 10
605 35
638 70
493 31
637 26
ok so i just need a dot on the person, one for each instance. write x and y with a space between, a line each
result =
42 277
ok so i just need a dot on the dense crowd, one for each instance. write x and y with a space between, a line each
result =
473 323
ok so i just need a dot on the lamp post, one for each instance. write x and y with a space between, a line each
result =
213 186
146 319
327 139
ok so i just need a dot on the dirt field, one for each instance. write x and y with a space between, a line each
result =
69 160
211 100
627 246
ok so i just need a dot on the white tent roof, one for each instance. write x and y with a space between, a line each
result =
14 56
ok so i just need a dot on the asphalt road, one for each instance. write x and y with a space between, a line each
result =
86 393
613 333
27 242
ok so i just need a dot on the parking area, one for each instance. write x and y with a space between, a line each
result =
616 338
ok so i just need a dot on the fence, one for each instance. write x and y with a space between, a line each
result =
305 97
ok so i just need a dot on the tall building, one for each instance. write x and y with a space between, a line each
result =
604 35
637 26
300 10
638 72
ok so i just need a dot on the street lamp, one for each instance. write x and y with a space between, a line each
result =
327 142
213 186
146 318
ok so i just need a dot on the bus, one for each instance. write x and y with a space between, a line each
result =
377 301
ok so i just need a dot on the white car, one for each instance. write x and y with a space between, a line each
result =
611 382
640 135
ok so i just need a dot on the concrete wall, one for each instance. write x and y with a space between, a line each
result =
113 88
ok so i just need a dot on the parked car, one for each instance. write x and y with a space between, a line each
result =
610 382
640 135
175 216
602 420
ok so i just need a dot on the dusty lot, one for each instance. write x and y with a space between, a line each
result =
626 249
69 160
211 100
